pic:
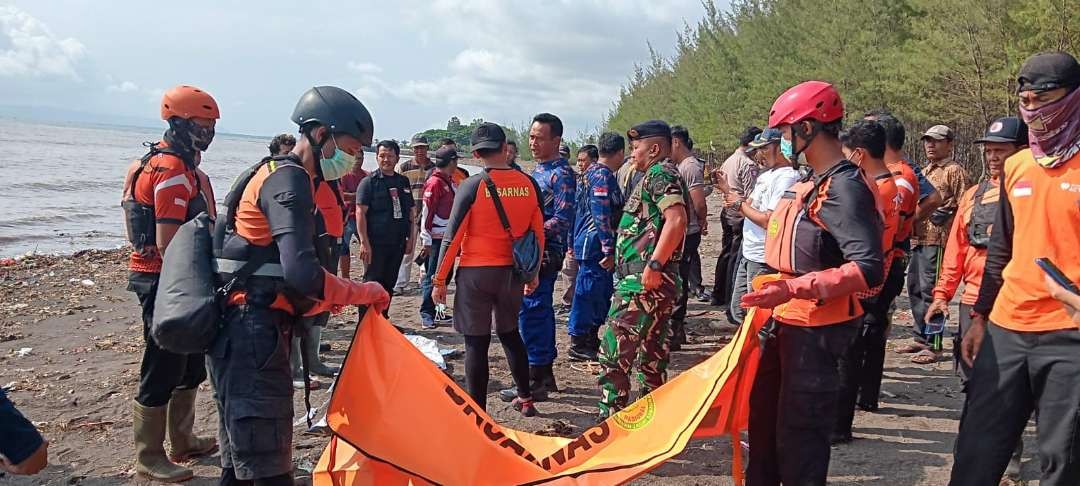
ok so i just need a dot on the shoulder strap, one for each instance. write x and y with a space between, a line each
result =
494 191
153 151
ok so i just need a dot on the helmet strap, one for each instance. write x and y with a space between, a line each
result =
797 131
316 149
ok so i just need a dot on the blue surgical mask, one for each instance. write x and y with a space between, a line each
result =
337 165
787 148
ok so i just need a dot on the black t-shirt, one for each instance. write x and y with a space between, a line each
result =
389 204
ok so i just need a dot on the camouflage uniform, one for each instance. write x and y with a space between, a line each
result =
638 318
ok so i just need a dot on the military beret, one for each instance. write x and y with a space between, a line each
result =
651 128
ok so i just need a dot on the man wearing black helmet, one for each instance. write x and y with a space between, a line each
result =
270 233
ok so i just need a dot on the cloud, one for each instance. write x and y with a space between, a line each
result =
124 87
31 49
364 67
555 56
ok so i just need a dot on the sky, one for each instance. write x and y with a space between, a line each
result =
413 63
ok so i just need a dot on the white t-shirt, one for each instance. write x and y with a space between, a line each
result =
768 190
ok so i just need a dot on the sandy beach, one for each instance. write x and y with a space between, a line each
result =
71 342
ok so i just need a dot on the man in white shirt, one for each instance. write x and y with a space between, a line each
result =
739 173
778 177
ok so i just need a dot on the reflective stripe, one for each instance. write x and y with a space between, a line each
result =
901 182
223 265
176 180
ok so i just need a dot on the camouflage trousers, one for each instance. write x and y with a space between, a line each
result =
637 331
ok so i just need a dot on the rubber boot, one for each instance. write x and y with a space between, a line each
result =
594 342
183 444
581 349
547 378
311 347
536 387
150 459
678 335
296 361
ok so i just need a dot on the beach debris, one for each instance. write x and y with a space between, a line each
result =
432 350
7 262
23 352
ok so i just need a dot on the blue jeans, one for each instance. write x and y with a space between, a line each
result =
346 239
536 321
427 306
745 271
592 298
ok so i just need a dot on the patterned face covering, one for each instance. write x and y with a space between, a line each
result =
1054 130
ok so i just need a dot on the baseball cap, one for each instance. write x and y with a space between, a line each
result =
487 136
1008 129
418 140
651 128
445 156
938 132
1048 70
770 135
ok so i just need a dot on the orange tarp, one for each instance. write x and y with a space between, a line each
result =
399 420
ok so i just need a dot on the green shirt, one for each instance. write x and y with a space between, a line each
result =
643 221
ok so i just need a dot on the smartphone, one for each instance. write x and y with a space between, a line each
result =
936 324
1055 273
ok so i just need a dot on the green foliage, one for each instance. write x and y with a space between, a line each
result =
461 133
930 62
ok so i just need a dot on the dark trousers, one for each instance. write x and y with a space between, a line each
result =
693 278
384 267
862 365
730 249
161 371
793 403
921 278
690 248
427 306
252 377
1017 373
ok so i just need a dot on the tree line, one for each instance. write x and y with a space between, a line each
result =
930 62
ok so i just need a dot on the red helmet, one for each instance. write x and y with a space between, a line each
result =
812 100
188 102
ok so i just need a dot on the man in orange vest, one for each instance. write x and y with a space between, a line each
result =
272 217
164 190
824 237
1022 344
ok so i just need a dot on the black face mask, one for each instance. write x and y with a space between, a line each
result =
192 134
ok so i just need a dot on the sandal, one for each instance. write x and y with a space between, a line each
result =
926 356
914 347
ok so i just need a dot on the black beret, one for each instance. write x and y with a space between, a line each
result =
651 128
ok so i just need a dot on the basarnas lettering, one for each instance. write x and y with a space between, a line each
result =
521 191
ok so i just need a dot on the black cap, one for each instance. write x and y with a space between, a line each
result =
1009 129
445 155
488 136
651 128
1049 70
418 140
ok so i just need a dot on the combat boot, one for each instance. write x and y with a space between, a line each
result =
581 348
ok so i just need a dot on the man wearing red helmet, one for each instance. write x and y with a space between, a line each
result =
163 190
825 238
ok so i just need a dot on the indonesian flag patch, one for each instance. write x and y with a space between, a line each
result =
600 192
1022 189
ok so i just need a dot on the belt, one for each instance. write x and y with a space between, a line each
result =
224 265
636 268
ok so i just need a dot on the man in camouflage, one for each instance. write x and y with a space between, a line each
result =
647 253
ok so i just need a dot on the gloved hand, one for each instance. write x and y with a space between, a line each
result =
771 294
338 291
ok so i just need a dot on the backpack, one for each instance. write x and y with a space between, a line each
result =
982 218
525 249
189 305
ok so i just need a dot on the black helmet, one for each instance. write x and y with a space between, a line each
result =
336 109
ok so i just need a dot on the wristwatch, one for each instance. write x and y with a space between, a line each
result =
656 265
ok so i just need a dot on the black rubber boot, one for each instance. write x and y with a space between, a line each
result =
582 349
678 335
547 378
